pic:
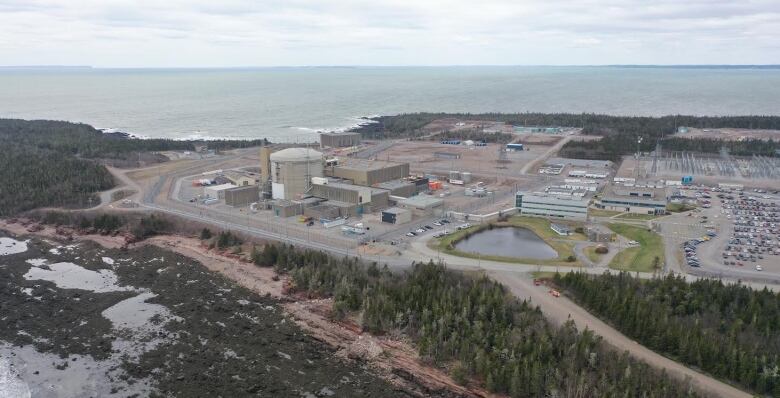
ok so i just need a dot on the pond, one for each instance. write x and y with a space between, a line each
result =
507 242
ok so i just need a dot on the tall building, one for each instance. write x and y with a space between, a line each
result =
292 170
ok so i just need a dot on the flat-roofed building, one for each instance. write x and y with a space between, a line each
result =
367 199
368 172
242 178
633 200
339 140
422 205
242 196
543 205
395 215
400 188
217 191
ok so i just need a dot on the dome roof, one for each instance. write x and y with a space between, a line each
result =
296 155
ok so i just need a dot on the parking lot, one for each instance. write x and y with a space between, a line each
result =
743 237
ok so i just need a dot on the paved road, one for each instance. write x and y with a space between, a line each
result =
515 276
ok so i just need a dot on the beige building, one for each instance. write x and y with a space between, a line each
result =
366 198
242 195
241 178
339 140
368 172
292 170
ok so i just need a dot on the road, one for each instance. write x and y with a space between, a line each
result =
515 276
560 309
546 155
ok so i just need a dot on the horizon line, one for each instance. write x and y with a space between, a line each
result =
58 66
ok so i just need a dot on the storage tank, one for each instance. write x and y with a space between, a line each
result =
466 177
292 170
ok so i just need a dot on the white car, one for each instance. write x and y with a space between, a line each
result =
420 231
633 243
759 268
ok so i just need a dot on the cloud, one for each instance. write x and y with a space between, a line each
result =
387 32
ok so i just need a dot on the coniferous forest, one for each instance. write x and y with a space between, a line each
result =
473 327
53 163
729 331
619 132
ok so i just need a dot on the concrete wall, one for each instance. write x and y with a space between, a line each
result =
242 196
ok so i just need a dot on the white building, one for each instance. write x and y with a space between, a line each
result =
552 206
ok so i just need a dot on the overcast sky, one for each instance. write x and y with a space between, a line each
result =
203 33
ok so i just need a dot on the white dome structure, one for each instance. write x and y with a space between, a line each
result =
296 155
292 170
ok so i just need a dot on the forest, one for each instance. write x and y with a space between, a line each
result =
729 331
619 132
52 163
472 327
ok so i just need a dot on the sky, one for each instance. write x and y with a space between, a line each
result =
236 33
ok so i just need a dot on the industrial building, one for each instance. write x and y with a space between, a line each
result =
292 170
552 206
367 199
331 210
368 172
242 195
599 233
242 178
339 140
633 200
402 188
216 191
421 205
395 215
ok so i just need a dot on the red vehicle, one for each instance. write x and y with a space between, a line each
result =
537 282
555 293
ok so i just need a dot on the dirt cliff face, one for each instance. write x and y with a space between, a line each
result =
151 322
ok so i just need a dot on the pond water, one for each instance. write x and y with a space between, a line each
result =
507 242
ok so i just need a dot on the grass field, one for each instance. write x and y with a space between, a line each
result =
679 207
590 252
564 245
636 216
639 258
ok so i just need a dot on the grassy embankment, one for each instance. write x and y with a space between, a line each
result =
602 213
637 216
564 245
679 207
639 258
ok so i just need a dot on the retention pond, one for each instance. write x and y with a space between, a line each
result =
507 242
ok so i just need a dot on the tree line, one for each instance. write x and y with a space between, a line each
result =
53 163
472 327
619 133
729 331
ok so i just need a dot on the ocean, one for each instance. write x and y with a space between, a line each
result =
292 104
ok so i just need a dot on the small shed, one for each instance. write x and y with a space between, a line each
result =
395 215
